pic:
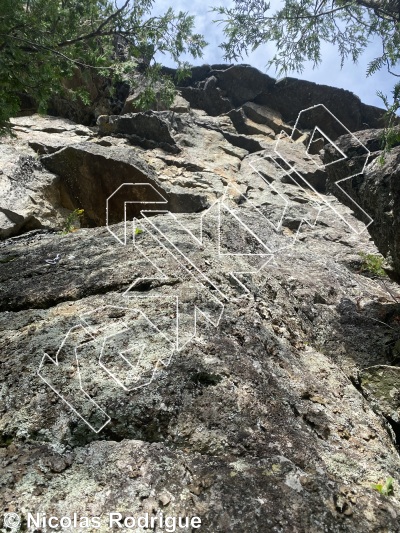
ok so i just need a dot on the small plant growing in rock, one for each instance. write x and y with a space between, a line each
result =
373 264
386 489
71 221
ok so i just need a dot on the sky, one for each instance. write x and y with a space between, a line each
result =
351 77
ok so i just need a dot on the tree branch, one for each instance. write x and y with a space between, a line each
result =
34 49
379 8
320 14
98 32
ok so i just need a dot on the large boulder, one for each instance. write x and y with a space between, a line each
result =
289 96
149 129
219 88
242 83
90 174
29 196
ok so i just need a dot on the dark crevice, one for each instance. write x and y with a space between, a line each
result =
187 165
26 305
149 144
242 141
143 286
148 428
205 379
322 431
396 430
356 384
6 440
26 234
109 434
40 301
148 285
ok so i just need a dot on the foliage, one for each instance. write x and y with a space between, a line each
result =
72 220
386 489
298 27
42 42
373 264
157 90
391 134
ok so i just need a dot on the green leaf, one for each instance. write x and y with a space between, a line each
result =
386 489
45 42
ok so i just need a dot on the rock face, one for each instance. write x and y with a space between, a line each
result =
30 197
377 190
219 88
208 344
382 385
90 174
148 129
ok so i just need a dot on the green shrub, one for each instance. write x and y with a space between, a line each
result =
373 264
71 221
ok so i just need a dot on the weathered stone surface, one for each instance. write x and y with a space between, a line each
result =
265 115
273 418
290 96
29 196
289 162
381 385
207 162
180 105
46 134
219 88
150 126
48 124
242 83
91 173
246 126
262 405
376 191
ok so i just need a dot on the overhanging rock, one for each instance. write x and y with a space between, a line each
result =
91 173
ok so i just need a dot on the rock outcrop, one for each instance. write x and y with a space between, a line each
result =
219 88
208 343
376 190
